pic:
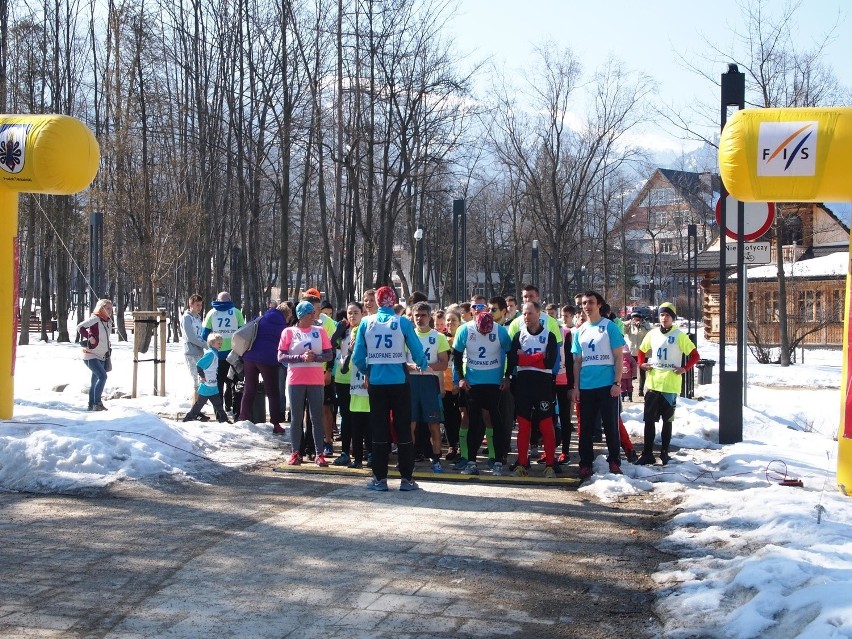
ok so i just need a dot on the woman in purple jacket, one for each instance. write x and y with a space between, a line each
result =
262 359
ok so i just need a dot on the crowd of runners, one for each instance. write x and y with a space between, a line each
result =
449 386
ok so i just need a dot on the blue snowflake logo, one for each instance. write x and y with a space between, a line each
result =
10 153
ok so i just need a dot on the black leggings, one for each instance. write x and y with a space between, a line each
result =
345 416
452 419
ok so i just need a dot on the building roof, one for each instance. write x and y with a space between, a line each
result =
833 265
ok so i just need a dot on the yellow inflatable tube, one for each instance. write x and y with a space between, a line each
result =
797 155
788 155
51 154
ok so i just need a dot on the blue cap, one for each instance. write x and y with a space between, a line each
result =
303 308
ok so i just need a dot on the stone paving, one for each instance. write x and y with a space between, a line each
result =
263 554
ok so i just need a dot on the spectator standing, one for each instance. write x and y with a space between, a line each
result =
634 333
96 350
261 360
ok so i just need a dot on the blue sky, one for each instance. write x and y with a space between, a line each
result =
647 35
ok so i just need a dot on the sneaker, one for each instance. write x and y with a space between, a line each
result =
497 468
646 460
326 449
394 450
98 407
369 460
380 485
202 418
520 471
436 466
356 464
470 469
320 461
615 468
491 463
632 456
664 457
187 418
585 472
542 459
562 459
342 460
407 484
419 457
452 453
461 464
294 460
549 473
277 430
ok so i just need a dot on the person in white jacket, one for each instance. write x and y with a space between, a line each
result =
94 333
193 344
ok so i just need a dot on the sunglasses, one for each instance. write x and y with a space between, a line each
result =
477 307
493 309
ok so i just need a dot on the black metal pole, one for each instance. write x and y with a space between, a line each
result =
460 226
730 382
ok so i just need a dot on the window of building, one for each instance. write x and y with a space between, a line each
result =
666 245
771 311
836 310
806 306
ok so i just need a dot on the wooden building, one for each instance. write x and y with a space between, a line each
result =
816 260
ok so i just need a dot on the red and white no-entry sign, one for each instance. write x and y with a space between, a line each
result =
758 218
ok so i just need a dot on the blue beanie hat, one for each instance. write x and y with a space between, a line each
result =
303 308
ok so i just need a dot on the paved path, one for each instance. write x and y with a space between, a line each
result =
263 554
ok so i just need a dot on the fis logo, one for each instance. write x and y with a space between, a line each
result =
787 149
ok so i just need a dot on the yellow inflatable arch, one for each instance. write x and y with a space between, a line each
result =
797 155
51 154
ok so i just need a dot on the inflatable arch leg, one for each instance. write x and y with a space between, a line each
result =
9 292
797 155
50 154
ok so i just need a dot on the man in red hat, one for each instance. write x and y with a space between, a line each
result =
380 355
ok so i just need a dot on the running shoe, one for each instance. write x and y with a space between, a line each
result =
343 459
406 485
380 485
562 459
294 460
356 464
549 473
497 468
664 457
615 468
491 463
521 471
394 449
470 469
202 418
632 456
460 465
436 466
542 459
585 472
320 461
326 449
277 430
646 460
452 453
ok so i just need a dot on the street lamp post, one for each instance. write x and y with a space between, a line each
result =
535 263
651 290
583 278
418 254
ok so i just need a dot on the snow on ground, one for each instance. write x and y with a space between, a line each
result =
750 558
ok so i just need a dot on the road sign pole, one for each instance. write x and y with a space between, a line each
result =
730 382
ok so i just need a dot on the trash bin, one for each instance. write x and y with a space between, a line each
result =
705 370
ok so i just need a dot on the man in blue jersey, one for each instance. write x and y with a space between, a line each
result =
597 348
483 376
381 357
